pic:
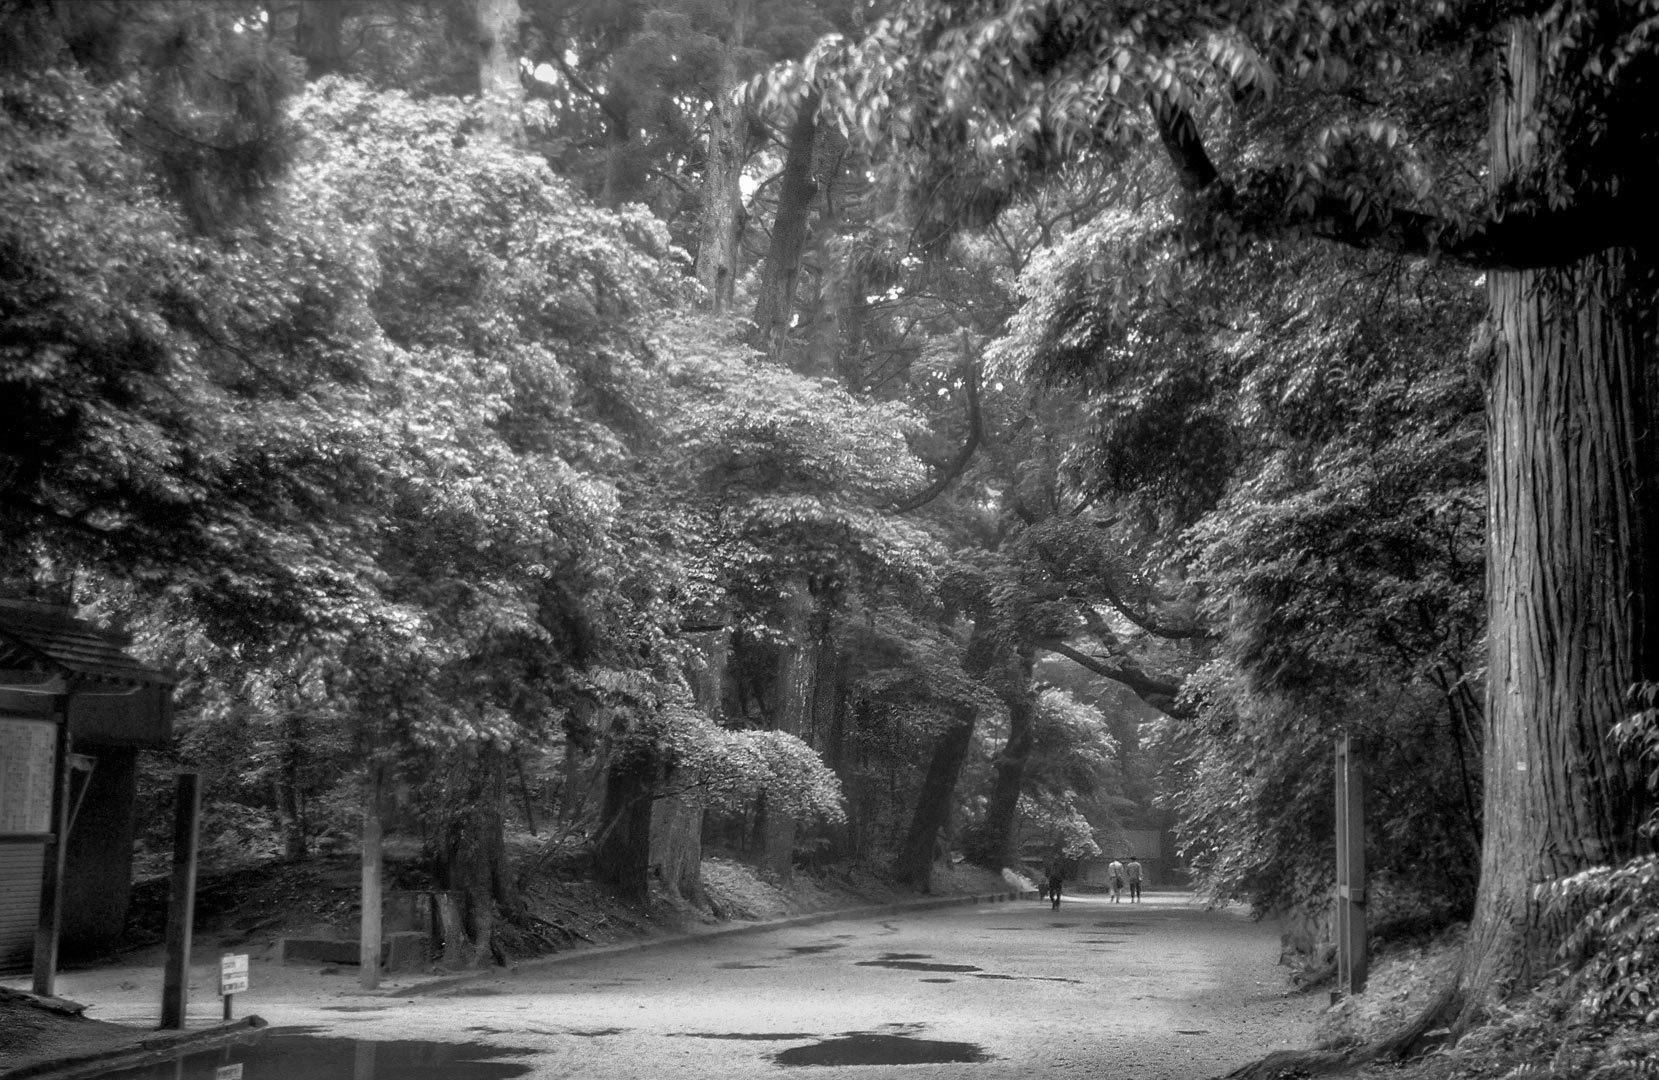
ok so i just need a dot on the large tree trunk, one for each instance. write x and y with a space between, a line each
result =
775 308
499 84
622 855
1570 573
319 37
291 788
624 160
677 820
1002 812
728 149
473 856
797 681
933 802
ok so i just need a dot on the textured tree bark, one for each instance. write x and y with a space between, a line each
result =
1002 813
797 681
1572 507
472 860
624 165
677 820
933 802
775 307
295 827
728 150
622 856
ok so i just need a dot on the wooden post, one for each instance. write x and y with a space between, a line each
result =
181 901
51 887
1351 964
369 936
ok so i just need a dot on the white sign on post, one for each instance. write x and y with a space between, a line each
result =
233 1071
233 973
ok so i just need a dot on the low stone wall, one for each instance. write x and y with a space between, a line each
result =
403 950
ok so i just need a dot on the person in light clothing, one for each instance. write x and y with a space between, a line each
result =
1114 870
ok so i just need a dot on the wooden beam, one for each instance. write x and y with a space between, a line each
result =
181 900
50 923
369 934
1351 965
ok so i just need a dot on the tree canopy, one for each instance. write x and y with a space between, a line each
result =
862 430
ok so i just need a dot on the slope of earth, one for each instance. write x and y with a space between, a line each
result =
1540 1036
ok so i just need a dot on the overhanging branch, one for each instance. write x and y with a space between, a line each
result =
1513 239
976 433
1155 692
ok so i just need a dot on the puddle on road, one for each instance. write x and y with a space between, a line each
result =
282 1054
353 1008
867 1048
808 950
740 965
756 1036
1193 1031
937 980
1126 926
909 961
1029 978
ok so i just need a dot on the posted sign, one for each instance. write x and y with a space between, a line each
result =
233 973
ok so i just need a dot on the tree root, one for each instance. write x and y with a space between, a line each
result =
1294 1064
1415 1038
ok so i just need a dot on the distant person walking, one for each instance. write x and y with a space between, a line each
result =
1115 870
1133 872
1054 889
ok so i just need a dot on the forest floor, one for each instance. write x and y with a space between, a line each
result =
1539 1036
249 908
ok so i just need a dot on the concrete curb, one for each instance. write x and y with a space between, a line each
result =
158 1047
694 936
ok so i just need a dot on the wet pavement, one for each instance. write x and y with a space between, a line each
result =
1164 990
289 1054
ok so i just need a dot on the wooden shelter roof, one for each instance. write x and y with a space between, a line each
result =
48 640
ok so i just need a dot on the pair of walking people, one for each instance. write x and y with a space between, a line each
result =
1120 873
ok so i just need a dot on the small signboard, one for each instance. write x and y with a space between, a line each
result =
233 1071
233 973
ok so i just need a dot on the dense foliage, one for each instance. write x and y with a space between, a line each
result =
821 430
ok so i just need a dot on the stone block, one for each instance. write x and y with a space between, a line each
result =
405 950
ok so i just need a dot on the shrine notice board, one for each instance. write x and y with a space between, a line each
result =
28 760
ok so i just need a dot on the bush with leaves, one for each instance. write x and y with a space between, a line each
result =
1615 944
729 770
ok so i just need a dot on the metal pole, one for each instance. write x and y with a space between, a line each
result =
181 901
